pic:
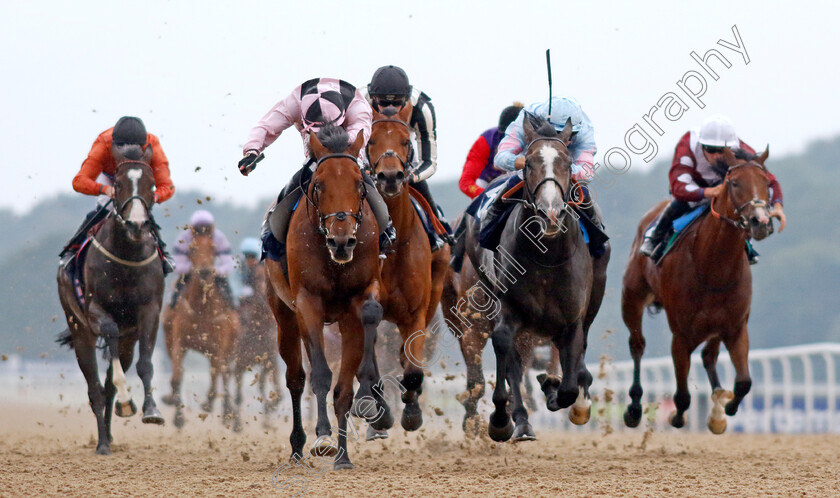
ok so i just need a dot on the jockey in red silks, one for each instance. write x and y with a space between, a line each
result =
96 177
479 169
310 106
697 173
389 87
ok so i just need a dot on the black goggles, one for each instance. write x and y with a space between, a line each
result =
713 150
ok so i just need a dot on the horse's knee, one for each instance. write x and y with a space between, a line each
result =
371 312
144 368
636 392
412 380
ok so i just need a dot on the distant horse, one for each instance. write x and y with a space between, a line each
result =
333 276
473 326
705 286
202 321
544 282
257 346
123 290
412 276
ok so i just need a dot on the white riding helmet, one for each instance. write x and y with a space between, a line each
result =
718 131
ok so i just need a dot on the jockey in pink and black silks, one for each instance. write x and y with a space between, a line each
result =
310 106
696 174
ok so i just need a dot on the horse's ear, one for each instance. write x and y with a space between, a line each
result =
528 128
405 112
729 157
315 145
148 153
566 134
357 144
764 155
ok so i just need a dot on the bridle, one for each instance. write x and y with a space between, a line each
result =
118 210
741 223
530 200
406 163
338 215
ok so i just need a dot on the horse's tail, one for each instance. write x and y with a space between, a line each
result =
654 308
65 338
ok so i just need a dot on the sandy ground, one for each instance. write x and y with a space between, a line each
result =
49 451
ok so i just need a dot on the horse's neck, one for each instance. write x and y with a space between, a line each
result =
203 295
115 238
719 247
402 213
546 251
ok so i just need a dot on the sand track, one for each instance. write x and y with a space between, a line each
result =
51 451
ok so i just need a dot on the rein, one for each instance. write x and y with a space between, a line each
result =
339 215
741 224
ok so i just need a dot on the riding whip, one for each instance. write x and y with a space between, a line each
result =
548 66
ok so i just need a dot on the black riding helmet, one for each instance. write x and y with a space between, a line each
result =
389 80
129 130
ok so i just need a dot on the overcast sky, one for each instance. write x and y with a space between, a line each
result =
200 74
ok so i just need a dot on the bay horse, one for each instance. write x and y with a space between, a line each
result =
333 276
256 346
542 281
123 292
464 307
412 275
705 286
202 321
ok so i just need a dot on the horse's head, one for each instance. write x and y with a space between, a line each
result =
547 171
389 149
134 189
337 190
203 252
748 191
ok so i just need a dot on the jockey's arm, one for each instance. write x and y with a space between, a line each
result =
278 118
511 147
224 254
85 180
160 167
426 130
358 118
476 159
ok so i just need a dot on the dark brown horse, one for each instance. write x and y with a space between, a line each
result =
333 276
202 321
256 347
705 286
122 297
412 275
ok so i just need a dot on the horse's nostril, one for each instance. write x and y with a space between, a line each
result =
351 243
380 177
754 221
400 176
331 243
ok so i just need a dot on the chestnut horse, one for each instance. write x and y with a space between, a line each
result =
204 322
122 297
412 275
705 286
333 276
257 345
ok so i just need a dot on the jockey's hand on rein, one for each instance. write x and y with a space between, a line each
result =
248 163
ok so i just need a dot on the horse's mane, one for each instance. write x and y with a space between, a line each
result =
334 138
541 126
744 155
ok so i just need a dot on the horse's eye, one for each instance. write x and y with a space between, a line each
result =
734 184
371 142
406 143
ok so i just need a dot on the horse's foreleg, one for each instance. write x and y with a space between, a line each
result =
86 356
147 328
310 318
571 343
581 410
353 348
681 355
107 328
411 357
523 430
631 312
500 427
739 348
207 406
288 343
472 345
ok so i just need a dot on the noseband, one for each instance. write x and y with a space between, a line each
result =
406 163
339 215
742 223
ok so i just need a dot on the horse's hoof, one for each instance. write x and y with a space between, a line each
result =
579 415
125 409
206 407
364 408
171 399
153 416
677 421
630 418
237 425
500 434
343 465
103 449
524 432
412 417
551 402
731 408
179 420
373 434
717 426
384 422
322 448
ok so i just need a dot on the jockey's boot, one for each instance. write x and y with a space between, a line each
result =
752 254
459 248
166 259
497 207
424 190
179 286
91 219
664 224
380 211
591 211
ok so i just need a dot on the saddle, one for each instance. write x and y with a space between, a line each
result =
679 226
